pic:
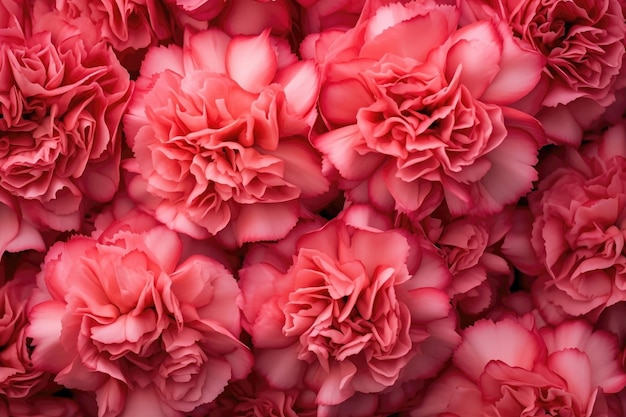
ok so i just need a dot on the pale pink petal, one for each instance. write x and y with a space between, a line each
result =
162 58
516 346
206 51
475 52
520 71
251 61
451 393
165 245
390 246
352 95
336 386
10 225
264 221
339 146
27 238
146 401
300 82
514 160
45 330
432 28
517 246
280 367
428 304
560 126
303 167
574 367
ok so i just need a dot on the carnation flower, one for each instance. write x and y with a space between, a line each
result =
61 104
470 245
18 377
323 15
128 25
423 122
252 17
218 133
253 397
583 42
579 227
125 316
358 311
569 370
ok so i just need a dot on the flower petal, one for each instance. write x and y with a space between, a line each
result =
251 61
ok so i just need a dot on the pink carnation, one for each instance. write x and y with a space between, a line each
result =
18 377
322 15
127 25
356 312
423 122
569 370
253 397
579 226
252 17
62 104
583 42
470 246
218 133
125 316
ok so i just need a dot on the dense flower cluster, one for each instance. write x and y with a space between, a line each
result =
312 208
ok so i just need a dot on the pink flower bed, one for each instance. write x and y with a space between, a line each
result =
312 208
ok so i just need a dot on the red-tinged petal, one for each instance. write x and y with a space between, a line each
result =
520 71
251 61
599 346
207 51
428 304
178 220
560 126
281 367
334 386
517 246
418 196
248 17
303 167
301 82
571 334
377 192
452 394
45 330
574 367
432 271
257 287
256 222
359 405
364 216
340 145
162 58
516 346
27 238
510 177
138 402
165 245
606 370
111 398
432 30
476 52
390 246
340 101
10 224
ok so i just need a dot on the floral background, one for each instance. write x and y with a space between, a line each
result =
312 208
